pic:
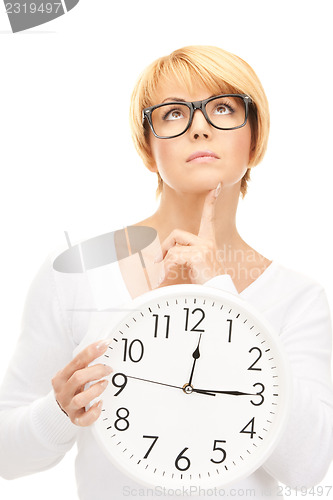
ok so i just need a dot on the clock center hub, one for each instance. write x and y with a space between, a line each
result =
187 388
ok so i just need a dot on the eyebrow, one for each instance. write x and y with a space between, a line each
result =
179 99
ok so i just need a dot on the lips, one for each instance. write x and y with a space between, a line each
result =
202 154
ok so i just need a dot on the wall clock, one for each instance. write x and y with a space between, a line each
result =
200 392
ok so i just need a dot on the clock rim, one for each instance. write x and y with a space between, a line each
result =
208 291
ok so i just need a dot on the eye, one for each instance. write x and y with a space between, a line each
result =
173 114
223 109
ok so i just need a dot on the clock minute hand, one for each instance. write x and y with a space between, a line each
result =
232 393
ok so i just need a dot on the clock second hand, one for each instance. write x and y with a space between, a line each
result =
168 385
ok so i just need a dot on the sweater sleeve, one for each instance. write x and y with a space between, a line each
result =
34 433
304 454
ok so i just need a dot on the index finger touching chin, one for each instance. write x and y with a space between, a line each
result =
206 229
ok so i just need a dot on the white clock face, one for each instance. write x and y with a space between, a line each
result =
200 389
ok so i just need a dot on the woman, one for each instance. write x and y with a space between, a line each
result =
226 157
200 121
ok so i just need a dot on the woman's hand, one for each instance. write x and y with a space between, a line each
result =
68 385
198 253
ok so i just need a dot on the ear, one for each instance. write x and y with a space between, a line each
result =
152 167
252 151
149 160
151 164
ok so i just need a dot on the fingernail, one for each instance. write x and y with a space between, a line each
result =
217 190
104 383
102 344
108 369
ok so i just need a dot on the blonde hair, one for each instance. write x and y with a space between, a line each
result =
218 70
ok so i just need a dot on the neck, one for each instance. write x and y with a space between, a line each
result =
179 210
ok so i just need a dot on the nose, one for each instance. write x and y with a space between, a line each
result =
199 126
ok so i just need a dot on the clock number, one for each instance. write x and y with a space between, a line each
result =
155 439
256 361
194 329
252 427
121 385
167 325
221 449
181 457
259 394
121 418
230 329
130 350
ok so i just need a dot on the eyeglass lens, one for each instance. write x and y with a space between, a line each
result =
223 112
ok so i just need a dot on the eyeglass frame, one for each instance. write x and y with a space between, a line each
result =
193 106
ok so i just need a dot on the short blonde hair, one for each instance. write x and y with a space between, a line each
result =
218 70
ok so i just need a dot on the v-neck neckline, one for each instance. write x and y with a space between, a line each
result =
258 280
248 290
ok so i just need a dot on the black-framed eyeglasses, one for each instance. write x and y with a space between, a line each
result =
171 119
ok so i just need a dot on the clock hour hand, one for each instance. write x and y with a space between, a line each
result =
195 355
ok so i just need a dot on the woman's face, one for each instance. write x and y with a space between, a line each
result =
171 155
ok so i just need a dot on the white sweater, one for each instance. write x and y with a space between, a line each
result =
35 434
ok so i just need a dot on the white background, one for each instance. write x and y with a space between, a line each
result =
68 164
